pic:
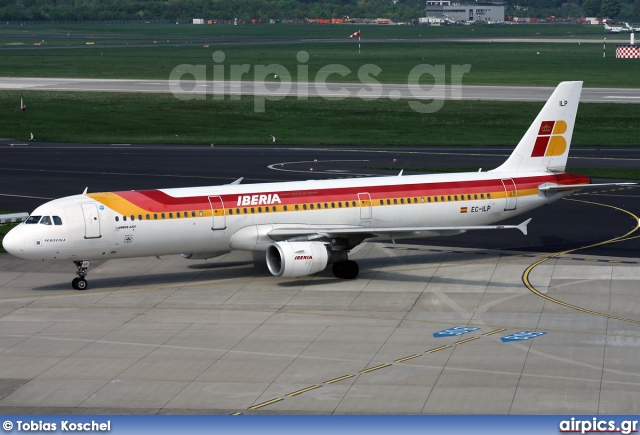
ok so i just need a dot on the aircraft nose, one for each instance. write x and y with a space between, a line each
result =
13 242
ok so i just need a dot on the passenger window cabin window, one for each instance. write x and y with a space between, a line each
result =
346 203
201 213
244 210
304 206
297 207
133 218
148 217
259 209
124 218
311 206
285 208
475 196
162 215
170 215
340 204
353 203
230 211
455 197
32 220
488 196
449 198
139 217
401 200
117 219
442 199
415 200
381 202
428 199
155 216
482 196
193 214
237 211
333 205
395 200
435 198
253 210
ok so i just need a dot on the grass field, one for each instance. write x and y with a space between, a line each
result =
158 118
530 64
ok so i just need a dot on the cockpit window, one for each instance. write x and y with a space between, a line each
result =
46 220
57 220
33 220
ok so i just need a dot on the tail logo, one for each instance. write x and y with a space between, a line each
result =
550 141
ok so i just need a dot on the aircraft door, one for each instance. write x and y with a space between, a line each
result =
91 221
365 205
218 213
511 194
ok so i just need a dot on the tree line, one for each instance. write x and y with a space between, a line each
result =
397 10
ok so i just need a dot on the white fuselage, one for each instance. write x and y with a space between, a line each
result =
208 221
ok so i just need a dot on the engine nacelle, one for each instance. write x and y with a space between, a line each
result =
202 255
287 259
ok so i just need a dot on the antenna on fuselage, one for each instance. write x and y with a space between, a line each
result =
85 190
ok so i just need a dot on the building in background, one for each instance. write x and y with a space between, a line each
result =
448 11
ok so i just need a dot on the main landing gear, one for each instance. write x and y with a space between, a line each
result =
80 283
348 269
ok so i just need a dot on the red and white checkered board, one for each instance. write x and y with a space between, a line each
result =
627 52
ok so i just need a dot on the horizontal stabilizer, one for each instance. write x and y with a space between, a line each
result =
568 187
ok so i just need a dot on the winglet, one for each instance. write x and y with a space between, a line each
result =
523 226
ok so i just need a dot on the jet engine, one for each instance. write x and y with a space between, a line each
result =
287 259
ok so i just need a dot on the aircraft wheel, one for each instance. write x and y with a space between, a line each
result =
350 270
81 284
345 269
337 269
74 283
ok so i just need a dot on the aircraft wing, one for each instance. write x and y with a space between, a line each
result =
361 233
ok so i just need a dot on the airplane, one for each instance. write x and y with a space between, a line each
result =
303 226
615 29
632 29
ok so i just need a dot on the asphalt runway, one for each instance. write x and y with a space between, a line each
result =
167 335
278 89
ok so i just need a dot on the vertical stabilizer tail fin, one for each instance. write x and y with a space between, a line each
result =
545 146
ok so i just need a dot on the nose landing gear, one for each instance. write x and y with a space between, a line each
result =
80 283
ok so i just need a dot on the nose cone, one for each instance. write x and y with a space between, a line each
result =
13 242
